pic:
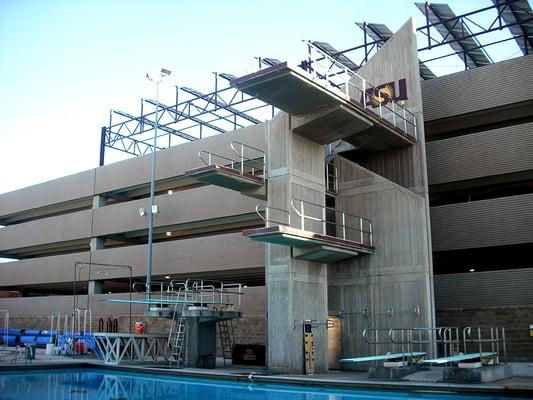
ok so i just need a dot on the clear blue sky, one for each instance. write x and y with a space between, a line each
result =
64 64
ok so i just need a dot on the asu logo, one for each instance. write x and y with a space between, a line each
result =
385 93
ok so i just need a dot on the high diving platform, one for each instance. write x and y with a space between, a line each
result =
315 236
329 102
242 170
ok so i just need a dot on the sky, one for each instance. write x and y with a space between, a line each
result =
65 64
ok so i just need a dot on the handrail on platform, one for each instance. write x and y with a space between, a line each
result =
336 76
351 227
254 164
483 336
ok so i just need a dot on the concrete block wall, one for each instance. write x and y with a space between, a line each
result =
515 320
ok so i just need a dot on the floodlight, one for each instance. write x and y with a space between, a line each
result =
165 72
142 212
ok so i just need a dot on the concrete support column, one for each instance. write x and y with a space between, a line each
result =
98 243
96 287
296 289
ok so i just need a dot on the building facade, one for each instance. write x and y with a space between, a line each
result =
475 269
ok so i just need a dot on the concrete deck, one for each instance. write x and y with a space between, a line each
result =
521 384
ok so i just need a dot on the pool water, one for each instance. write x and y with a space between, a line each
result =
97 385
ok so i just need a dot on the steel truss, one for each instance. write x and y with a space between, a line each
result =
460 32
194 115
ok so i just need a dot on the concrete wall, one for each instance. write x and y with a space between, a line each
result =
180 208
398 59
483 223
516 320
131 175
484 289
482 154
481 88
297 289
225 252
72 191
397 276
63 228
185 209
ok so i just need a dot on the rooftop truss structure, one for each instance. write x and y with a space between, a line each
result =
456 32
196 114
381 33
462 33
517 14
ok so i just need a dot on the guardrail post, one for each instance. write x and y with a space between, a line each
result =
242 159
343 226
346 82
370 233
379 102
324 229
361 229
393 114
364 92
404 121
302 215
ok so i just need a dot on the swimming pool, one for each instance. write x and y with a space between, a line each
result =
111 385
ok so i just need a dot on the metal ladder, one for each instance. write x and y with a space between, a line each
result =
225 330
176 335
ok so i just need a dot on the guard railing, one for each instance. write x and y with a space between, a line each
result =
250 160
335 76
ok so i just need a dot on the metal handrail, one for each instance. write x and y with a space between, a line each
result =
342 228
483 336
267 214
248 160
255 167
76 314
406 118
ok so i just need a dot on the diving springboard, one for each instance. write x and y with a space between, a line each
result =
384 357
461 357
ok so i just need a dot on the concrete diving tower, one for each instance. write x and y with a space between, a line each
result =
329 102
244 170
322 234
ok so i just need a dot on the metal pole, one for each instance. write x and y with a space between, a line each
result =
150 212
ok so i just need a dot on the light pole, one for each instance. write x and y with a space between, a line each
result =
153 210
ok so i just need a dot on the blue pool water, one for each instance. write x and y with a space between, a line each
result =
97 385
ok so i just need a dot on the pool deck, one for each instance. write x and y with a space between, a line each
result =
521 384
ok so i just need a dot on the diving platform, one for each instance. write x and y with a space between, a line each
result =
310 246
326 106
244 173
229 178
317 238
